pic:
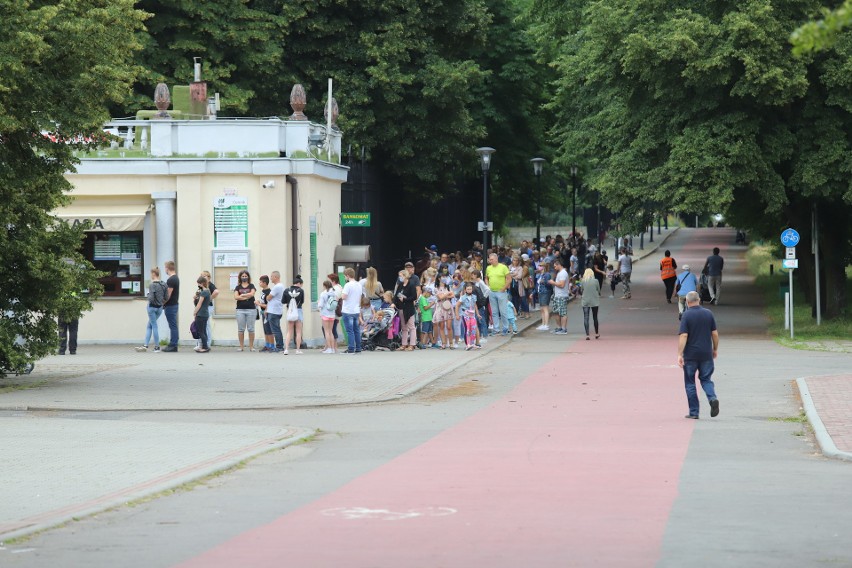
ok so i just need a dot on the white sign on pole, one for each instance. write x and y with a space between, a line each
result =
791 252
790 263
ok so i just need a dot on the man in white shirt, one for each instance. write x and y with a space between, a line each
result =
625 269
559 302
275 309
351 310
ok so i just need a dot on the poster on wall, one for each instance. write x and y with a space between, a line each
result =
230 222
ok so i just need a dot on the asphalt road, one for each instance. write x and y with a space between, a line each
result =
547 451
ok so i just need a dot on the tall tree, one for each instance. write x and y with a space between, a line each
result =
703 108
239 42
62 63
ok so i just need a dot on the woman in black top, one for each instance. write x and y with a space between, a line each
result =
202 314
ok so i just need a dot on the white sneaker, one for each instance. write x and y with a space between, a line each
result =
142 348
286 352
298 352
328 350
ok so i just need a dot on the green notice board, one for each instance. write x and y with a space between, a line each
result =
354 219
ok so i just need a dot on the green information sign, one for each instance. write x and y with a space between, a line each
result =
354 219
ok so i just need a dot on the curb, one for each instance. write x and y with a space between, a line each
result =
824 440
51 519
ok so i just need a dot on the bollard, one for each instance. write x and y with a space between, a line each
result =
771 269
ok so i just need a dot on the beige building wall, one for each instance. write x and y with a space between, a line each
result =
123 319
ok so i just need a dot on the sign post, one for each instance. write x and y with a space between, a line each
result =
790 238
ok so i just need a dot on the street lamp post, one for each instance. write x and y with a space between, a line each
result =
485 159
574 201
538 168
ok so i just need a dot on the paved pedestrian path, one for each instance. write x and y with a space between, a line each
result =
78 471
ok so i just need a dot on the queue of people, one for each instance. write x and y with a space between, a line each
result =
446 301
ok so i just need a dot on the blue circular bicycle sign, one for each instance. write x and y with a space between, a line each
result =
790 238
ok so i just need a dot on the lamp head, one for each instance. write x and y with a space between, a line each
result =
485 157
538 166
573 170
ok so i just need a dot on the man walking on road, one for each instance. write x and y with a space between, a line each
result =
713 268
698 344
625 269
686 283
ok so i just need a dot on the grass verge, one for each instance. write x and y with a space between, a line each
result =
831 335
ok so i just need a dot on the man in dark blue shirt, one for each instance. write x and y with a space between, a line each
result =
697 347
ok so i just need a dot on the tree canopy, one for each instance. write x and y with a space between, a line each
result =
703 108
62 63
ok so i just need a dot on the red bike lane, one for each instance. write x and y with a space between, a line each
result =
579 465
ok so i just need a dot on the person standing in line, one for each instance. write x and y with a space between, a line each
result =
351 310
698 345
202 314
668 273
559 301
275 309
545 292
338 292
157 292
327 305
625 269
214 293
591 301
482 292
171 306
466 309
405 294
373 288
599 267
685 284
294 327
499 279
269 339
713 268
246 310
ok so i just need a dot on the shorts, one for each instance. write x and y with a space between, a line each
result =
267 329
245 320
426 327
328 318
559 305
544 297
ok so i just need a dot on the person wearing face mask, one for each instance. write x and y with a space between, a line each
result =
244 293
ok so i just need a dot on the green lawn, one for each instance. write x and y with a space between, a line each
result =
831 335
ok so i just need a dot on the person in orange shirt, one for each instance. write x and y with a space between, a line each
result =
668 274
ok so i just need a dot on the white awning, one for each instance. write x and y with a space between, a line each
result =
112 217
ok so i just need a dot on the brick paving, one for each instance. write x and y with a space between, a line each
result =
832 398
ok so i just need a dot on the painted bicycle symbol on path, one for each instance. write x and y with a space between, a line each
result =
353 513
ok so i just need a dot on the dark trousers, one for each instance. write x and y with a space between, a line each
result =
201 327
68 335
670 286
172 319
594 310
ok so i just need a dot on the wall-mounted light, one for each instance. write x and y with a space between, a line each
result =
270 183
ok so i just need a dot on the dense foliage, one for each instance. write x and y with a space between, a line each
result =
704 108
61 64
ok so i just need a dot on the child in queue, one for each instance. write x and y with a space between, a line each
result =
426 306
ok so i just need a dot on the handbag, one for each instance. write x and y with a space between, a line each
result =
447 305
193 330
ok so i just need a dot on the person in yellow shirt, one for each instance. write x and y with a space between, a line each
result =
498 278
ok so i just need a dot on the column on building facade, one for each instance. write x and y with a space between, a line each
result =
164 204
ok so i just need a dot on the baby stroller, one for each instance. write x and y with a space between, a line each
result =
382 332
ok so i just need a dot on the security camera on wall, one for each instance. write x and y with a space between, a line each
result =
269 184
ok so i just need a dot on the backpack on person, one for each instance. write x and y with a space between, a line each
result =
481 300
292 310
158 294
331 303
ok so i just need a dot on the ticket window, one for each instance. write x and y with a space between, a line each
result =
226 270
